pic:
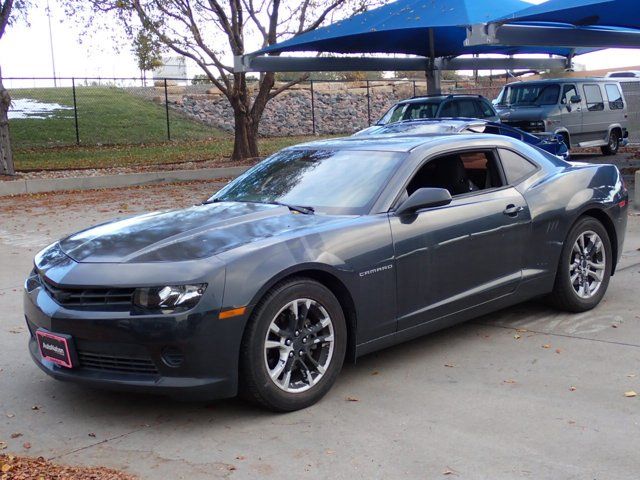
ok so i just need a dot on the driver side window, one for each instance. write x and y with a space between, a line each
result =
460 173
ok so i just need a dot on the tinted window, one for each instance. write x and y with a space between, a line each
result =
420 110
336 181
449 109
568 91
614 96
460 173
622 75
593 95
486 109
515 166
531 94
467 108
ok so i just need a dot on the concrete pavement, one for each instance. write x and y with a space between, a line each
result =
524 393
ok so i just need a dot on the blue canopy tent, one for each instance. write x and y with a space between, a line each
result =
438 32
565 23
405 26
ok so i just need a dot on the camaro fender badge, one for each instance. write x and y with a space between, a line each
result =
376 270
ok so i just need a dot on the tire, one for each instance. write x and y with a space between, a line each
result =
614 144
293 352
586 265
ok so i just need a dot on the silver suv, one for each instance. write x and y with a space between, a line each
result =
587 112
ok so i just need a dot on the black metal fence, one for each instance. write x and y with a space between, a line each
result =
48 112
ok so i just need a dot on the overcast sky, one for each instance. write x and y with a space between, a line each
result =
25 51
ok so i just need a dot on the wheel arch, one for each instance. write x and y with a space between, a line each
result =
324 275
600 215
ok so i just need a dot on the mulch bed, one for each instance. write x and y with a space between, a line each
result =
27 468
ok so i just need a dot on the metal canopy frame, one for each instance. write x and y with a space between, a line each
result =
500 34
261 63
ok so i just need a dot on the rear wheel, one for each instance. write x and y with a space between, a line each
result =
614 144
294 346
585 267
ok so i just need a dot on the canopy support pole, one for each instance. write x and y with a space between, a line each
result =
433 72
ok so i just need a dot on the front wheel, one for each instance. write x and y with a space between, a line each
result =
613 146
294 346
585 267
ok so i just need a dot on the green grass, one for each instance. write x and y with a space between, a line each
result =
106 115
61 158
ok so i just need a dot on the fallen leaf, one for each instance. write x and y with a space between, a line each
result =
614 326
240 457
631 375
16 435
517 337
352 399
5 468
546 345
231 468
92 435
630 393
450 365
572 389
558 350
375 373
521 330
3 445
26 445
11 415
35 407
449 471
329 452
509 381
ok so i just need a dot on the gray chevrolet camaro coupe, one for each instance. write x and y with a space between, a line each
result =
323 252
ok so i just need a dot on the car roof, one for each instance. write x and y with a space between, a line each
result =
423 98
562 80
401 142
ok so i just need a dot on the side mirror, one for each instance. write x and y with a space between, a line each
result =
424 198
575 99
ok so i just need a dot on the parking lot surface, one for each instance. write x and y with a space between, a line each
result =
527 392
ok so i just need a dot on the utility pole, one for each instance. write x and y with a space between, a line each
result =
53 60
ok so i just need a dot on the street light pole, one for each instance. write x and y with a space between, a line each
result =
53 60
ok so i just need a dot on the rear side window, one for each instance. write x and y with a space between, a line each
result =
614 96
593 95
515 166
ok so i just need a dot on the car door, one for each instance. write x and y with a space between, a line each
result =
594 117
466 253
571 113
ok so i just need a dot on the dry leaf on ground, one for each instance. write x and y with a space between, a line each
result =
630 393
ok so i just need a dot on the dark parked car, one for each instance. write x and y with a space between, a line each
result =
437 106
324 251
552 143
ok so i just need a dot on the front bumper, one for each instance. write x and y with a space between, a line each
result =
191 356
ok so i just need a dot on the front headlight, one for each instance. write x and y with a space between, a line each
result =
169 298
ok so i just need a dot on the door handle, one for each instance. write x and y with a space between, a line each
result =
512 210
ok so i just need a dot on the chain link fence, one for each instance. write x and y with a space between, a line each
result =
62 112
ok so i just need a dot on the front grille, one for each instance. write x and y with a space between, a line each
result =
521 124
114 298
120 364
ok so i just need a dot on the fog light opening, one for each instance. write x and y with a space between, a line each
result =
172 357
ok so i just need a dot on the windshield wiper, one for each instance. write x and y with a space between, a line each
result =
296 208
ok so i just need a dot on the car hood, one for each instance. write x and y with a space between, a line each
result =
516 114
193 233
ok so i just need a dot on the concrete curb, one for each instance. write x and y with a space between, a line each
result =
39 185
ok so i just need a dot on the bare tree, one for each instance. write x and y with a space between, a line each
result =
210 32
9 10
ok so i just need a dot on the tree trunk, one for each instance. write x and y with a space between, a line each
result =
6 156
246 135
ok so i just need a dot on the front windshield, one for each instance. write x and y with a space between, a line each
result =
530 95
410 111
330 181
